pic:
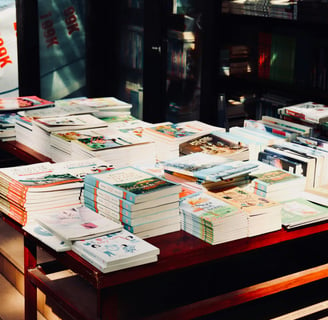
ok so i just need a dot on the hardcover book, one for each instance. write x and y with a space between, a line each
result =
132 184
77 223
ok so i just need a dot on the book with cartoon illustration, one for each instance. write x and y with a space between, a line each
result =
116 251
132 184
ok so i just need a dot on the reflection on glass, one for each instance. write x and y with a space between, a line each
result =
62 48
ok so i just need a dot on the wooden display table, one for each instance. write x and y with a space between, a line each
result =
161 290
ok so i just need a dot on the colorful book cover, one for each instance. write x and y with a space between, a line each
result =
210 144
132 184
23 103
207 209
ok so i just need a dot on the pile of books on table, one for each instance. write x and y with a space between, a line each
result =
147 205
30 190
264 215
211 219
169 136
277 184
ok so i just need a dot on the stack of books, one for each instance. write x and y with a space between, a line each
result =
7 126
211 219
146 204
210 171
169 136
278 185
30 190
35 133
116 251
108 144
264 215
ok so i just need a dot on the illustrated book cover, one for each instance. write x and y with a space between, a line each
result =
132 184
23 103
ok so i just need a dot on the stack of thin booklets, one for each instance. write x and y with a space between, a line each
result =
211 219
212 172
278 185
264 215
7 126
169 136
146 204
30 190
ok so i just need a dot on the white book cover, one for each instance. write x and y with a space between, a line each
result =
78 223
122 246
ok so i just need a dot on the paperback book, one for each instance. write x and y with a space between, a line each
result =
212 219
264 215
116 251
23 103
77 223
132 184
299 212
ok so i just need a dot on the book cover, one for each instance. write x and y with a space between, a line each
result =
77 223
276 179
299 212
318 195
75 122
23 103
44 235
122 246
211 144
132 184
111 200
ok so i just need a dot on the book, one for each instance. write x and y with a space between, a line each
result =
78 122
117 203
308 111
317 195
299 212
264 215
116 250
212 219
191 163
23 103
277 179
132 184
77 223
44 235
215 144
